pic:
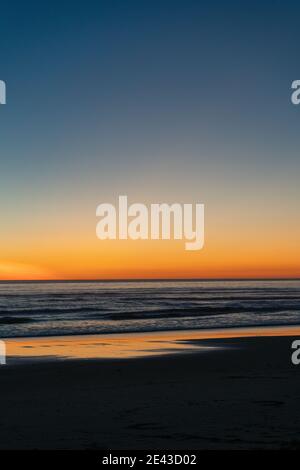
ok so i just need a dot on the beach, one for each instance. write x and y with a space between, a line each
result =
150 255
216 392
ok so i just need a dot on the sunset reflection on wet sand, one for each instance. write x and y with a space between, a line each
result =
125 346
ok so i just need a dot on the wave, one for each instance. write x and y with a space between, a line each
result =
75 308
14 320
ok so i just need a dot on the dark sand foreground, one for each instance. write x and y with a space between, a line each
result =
245 396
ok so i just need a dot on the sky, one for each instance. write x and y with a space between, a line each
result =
164 101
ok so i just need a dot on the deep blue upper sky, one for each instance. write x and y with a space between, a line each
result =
139 74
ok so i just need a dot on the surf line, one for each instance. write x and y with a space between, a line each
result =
159 222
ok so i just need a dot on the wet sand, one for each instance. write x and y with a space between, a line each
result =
234 393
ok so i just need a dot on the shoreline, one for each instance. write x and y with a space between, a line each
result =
22 350
231 330
163 331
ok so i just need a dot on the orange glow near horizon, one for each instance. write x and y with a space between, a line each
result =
148 262
239 251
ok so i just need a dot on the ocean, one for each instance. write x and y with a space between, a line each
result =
71 308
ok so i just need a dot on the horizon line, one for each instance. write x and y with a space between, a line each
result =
3 281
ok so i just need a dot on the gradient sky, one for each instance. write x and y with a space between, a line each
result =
184 101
